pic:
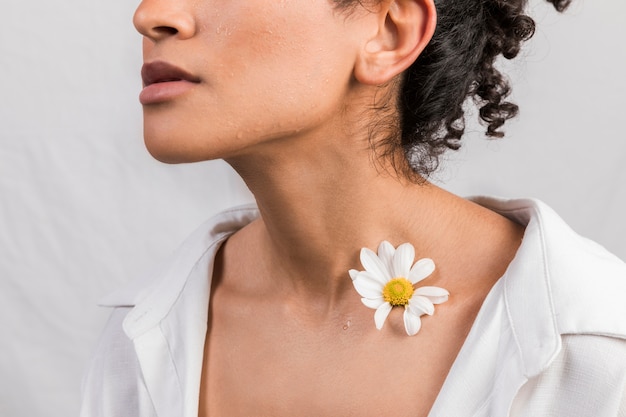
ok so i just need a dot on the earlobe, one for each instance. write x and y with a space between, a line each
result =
405 28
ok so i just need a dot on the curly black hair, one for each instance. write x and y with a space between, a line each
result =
457 64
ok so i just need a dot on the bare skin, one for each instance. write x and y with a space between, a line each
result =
287 336
281 91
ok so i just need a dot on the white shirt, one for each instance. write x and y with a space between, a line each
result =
549 340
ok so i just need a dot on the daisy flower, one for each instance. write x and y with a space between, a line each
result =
388 281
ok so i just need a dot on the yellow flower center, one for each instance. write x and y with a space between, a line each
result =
398 291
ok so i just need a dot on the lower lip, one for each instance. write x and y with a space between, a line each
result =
162 92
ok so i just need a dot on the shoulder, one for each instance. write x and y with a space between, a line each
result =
582 283
564 301
127 367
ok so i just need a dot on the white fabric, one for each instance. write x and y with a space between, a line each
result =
549 340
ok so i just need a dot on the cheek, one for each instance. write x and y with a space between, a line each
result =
281 43
283 67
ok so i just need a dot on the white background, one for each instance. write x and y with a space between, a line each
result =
83 207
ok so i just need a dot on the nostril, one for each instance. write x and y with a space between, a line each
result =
168 30
159 23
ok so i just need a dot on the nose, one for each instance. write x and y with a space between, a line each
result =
161 19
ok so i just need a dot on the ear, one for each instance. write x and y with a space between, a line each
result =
404 29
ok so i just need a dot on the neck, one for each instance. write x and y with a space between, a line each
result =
322 200
319 209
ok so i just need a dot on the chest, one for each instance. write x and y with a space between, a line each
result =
254 365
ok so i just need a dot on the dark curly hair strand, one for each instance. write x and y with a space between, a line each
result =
457 64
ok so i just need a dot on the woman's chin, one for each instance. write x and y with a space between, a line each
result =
171 150
167 151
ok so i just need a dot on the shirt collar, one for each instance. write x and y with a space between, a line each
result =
527 283
561 283
168 323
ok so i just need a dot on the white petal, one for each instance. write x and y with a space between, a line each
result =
373 277
374 265
421 305
422 268
381 315
353 273
402 260
415 309
436 295
385 253
412 323
366 286
373 302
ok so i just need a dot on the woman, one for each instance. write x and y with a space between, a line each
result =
356 287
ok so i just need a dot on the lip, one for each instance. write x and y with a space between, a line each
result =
163 81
